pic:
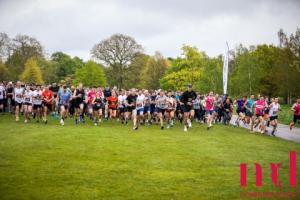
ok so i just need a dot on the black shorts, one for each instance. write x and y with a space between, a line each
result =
49 106
2 101
273 118
296 118
187 108
18 104
248 113
160 110
97 107
122 109
27 104
35 106
77 104
130 108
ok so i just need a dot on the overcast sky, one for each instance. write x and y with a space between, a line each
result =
74 26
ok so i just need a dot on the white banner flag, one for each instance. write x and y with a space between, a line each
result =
225 69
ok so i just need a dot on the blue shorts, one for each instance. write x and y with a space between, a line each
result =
209 112
140 110
152 108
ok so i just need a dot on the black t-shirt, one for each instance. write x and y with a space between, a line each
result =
188 97
79 95
55 90
9 90
131 99
107 93
152 99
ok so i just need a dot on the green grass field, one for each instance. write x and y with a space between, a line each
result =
112 161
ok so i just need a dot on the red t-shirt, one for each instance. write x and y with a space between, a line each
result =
112 102
47 95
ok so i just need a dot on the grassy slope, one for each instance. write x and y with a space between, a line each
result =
113 162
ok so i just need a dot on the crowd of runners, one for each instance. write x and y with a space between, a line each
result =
143 107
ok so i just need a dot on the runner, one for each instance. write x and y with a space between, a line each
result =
107 93
98 104
209 108
10 97
171 106
27 103
161 105
260 106
228 108
248 105
54 88
241 110
37 100
112 105
296 110
140 107
79 96
131 107
64 97
121 106
186 100
18 98
273 113
47 102
147 110
153 111
197 108
2 97
90 96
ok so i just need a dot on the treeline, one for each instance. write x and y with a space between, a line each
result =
120 61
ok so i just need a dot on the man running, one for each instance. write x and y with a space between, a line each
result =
161 105
18 99
121 106
64 97
131 107
140 107
79 96
186 101
273 113
260 106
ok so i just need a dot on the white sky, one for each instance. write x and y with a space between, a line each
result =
74 26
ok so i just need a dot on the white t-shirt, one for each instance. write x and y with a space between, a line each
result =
274 109
18 92
121 100
37 97
27 96
140 101
2 92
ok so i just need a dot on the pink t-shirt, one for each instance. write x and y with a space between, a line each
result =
91 95
260 105
297 109
209 103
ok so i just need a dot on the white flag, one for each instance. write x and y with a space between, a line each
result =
225 69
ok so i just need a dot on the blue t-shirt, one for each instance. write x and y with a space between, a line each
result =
64 97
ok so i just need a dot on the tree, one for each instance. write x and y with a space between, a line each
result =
117 52
4 46
134 73
22 47
91 74
32 72
185 69
3 72
66 66
154 71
